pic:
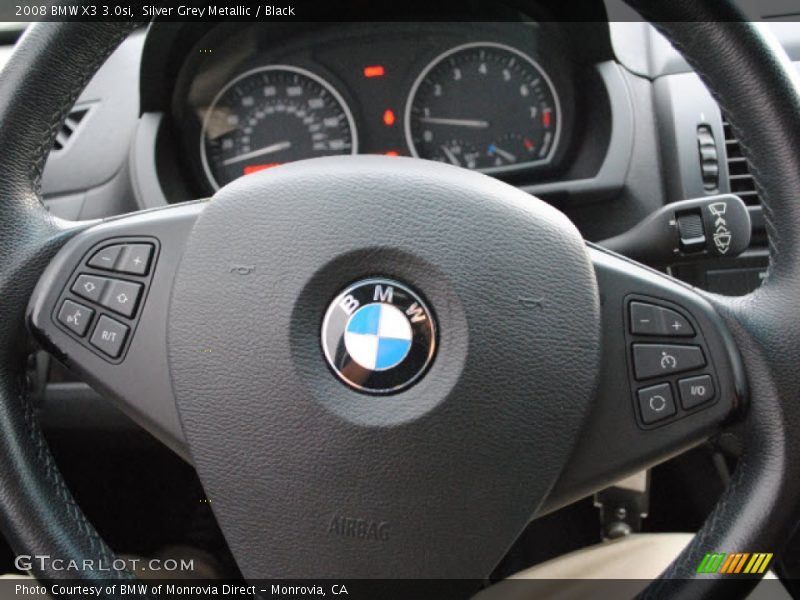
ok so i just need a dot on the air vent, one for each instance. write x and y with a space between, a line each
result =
73 120
741 181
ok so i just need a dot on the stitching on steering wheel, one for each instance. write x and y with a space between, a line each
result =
45 458
42 452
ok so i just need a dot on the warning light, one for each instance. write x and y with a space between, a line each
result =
388 117
255 168
391 153
374 71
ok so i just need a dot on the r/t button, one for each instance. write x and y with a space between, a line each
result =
109 336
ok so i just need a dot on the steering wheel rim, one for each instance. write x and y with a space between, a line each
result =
38 513
760 322
34 491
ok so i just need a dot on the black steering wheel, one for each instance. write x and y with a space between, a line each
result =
536 388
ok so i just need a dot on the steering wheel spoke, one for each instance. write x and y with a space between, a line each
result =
100 308
670 376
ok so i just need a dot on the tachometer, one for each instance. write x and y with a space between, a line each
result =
483 106
272 115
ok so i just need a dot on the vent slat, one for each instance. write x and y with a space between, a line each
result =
739 176
69 127
71 124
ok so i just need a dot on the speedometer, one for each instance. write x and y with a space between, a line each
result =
272 115
483 106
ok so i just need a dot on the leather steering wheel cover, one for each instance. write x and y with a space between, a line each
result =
53 63
757 89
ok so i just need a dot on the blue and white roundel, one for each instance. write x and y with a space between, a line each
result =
378 336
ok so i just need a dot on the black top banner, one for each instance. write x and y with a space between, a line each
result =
355 10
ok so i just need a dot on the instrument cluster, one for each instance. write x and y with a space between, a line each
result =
496 98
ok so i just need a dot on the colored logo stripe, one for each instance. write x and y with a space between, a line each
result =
759 562
735 563
710 563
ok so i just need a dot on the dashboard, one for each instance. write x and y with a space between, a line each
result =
497 98
600 119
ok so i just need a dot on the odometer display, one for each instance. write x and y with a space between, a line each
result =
483 106
272 115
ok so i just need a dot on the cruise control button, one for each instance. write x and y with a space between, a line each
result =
106 258
90 287
109 336
654 360
656 403
674 323
695 391
135 259
122 296
75 316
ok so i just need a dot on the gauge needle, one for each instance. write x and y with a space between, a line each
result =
260 152
476 123
450 156
504 153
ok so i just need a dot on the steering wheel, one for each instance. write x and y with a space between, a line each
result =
534 383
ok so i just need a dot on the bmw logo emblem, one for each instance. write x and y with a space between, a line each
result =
378 336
